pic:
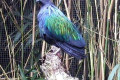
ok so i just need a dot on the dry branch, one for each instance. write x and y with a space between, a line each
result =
52 66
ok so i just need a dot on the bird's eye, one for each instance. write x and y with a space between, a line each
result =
39 5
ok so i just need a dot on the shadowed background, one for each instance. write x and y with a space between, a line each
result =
98 21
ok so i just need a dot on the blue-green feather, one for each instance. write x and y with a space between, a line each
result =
57 29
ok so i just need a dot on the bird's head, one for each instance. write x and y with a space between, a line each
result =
43 1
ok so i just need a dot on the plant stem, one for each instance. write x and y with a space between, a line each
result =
22 34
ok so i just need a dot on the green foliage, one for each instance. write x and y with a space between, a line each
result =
25 76
116 69
22 73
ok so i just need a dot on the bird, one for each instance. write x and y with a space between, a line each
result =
56 29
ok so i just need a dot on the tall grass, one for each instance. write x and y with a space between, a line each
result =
99 23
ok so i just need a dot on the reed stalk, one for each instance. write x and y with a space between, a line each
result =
22 34
100 23
67 8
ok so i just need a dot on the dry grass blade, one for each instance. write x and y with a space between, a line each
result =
4 73
99 21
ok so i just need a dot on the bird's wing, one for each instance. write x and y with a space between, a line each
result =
61 28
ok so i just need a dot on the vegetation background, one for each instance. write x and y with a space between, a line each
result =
21 46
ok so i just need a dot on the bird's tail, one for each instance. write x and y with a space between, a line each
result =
78 53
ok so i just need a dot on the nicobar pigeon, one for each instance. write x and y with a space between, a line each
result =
56 29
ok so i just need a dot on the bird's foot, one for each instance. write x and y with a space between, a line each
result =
56 51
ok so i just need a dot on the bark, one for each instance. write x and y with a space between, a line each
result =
52 66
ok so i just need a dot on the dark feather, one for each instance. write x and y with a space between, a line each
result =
72 50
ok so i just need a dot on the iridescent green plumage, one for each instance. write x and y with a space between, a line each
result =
62 27
57 29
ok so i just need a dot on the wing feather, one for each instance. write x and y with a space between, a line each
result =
61 28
